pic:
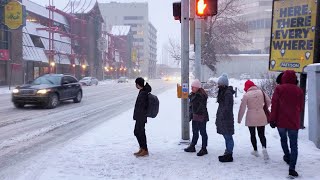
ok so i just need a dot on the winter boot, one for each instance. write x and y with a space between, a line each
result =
136 153
190 148
286 159
227 157
255 153
202 152
293 173
265 154
143 153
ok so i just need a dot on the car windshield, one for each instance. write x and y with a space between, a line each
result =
52 80
86 78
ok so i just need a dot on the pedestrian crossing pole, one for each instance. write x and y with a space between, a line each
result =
185 127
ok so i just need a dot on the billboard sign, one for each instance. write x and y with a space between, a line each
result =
293 35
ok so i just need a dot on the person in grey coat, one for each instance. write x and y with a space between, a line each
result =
225 118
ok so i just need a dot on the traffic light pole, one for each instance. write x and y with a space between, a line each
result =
185 127
198 48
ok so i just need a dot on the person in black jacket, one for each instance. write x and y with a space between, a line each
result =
224 117
199 115
140 116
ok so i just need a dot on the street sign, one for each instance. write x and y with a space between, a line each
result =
14 15
102 44
293 38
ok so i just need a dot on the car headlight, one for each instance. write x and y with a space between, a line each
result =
43 91
15 91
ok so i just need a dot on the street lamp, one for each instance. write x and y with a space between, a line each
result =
83 67
52 64
73 65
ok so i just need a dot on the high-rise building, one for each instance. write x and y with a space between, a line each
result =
257 14
135 15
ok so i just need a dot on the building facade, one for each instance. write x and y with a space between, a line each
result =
135 15
66 44
257 14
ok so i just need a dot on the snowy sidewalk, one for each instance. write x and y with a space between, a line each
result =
5 90
106 152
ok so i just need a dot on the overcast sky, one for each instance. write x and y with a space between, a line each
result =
160 15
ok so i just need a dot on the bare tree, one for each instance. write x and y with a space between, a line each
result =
175 50
224 32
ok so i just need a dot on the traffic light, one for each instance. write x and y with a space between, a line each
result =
177 10
206 8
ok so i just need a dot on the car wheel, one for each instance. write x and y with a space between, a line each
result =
53 101
90 84
18 105
97 83
78 98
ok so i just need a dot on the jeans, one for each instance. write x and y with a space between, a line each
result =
261 135
229 143
140 133
202 127
293 137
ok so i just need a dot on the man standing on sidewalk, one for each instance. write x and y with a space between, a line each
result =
140 116
287 104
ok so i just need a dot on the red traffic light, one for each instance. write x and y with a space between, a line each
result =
206 8
200 7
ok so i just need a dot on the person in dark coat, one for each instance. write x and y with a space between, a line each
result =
140 116
199 116
287 104
278 80
225 118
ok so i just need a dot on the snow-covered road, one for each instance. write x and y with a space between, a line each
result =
26 132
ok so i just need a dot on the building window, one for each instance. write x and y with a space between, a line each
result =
133 17
3 37
37 41
265 3
138 40
132 25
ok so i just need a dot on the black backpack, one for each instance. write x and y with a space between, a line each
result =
153 106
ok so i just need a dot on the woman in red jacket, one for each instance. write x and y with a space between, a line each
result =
287 104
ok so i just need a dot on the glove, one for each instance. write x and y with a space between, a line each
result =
273 124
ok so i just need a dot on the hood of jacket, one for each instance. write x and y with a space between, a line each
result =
289 77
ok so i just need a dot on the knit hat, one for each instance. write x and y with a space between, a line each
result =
196 83
140 81
248 85
223 80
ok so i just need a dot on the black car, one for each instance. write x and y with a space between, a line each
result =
48 90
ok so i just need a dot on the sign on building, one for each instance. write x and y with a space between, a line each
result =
293 38
4 54
134 55
14 15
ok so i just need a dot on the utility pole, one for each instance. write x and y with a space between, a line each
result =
185 68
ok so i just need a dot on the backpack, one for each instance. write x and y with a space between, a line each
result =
153 106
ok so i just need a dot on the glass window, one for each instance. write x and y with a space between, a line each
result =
37 41
133 17
55 80
3 37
